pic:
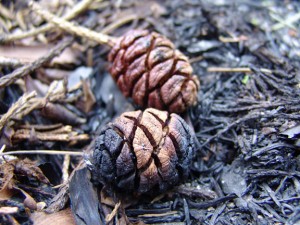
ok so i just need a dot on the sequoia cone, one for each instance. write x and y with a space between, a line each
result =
143 152
147 67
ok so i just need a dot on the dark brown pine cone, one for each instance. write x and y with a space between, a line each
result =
148 68
143 152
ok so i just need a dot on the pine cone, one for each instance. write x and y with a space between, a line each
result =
148 68
143 152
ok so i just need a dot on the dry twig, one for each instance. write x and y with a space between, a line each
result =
233 39
46 152
65 168
71 27
67 136
16 108
78 8
28 102
110 216
4 61
26 69
238 69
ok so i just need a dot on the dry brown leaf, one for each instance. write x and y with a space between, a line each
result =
291 132
28 168
59 218
7 173
19 167
29 54
61 114
6 193
36 85
88 101
23 167
47 75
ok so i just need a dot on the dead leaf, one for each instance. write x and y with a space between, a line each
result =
28 168
25 167
60 200
88 101
47 75
292 132
7 173
59 218
29 54
36 85
60 113
6 193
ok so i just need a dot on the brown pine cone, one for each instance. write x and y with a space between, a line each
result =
148 68
143 152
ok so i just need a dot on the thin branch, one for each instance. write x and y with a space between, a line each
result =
110 216
65 168
233 39
71 27
26 69
78 8
237 69
49 136
2 148
16 107
46 152
4 61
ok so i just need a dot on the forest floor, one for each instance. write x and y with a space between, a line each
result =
56 93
